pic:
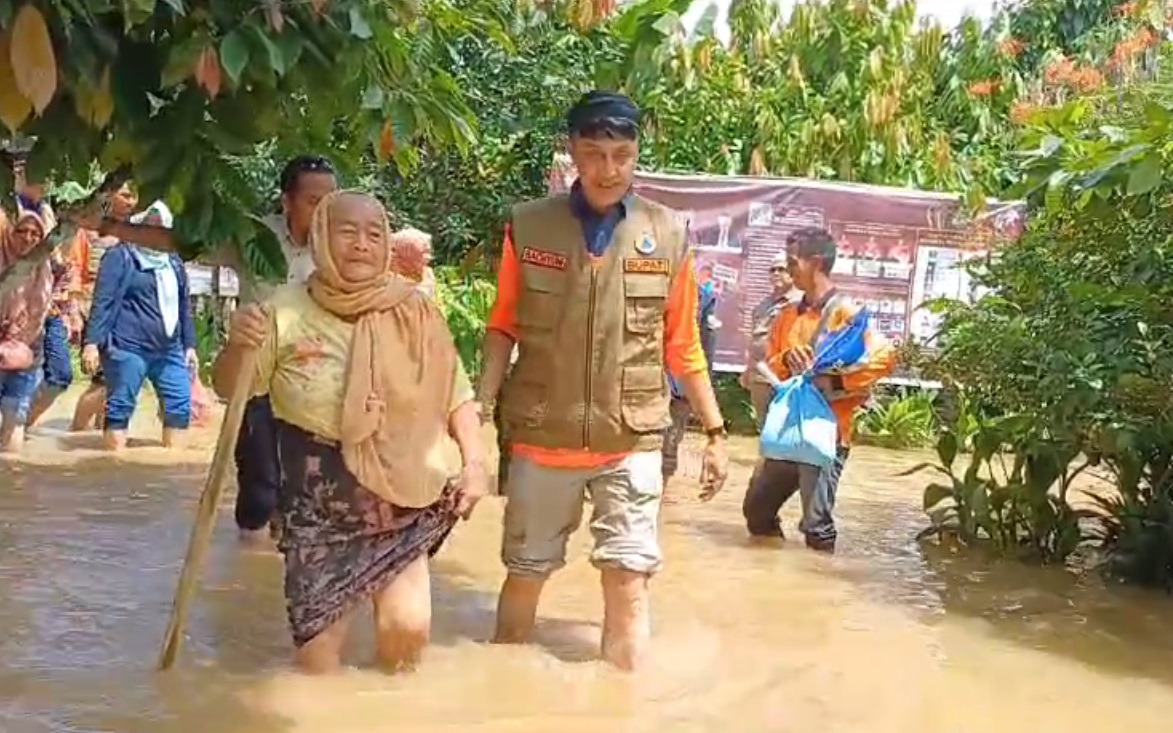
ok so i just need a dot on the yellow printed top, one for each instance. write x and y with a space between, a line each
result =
302 366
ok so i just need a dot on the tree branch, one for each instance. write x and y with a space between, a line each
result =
27 264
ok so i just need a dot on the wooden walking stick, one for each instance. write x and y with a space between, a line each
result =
205 520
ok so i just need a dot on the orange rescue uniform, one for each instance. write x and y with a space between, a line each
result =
682 345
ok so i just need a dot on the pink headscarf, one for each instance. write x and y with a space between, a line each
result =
23 310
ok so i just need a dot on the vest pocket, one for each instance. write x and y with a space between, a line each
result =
524 400
644 398
644 300
537 308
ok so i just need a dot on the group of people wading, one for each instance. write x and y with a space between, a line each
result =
358 386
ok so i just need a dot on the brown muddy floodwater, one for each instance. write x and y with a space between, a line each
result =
882 637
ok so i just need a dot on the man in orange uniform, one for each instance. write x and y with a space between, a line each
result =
598 292
810 255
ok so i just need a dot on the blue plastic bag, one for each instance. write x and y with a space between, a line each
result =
800 426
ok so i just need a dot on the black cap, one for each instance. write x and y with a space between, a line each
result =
604 114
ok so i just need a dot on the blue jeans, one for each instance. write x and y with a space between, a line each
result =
774 482
127 370
17 389
58 367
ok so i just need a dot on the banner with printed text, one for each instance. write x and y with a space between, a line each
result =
898 248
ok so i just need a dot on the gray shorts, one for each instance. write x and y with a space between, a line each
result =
544 506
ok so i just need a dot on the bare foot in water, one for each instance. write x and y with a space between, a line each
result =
114 440
11 439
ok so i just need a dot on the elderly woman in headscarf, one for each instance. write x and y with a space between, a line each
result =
412 256
141 328
366 387
22 322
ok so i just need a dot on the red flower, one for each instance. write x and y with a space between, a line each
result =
1011 47
983 88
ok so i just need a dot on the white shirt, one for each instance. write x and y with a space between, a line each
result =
299 263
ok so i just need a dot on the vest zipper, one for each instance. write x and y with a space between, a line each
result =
590 360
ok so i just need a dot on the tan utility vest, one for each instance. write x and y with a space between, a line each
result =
590 366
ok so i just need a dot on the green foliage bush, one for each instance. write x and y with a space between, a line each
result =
1074 350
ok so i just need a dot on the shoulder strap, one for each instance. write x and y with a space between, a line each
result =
825 317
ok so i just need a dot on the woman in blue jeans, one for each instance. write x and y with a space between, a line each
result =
141 328
22 319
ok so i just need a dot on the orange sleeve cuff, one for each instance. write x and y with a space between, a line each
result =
682 337
503 315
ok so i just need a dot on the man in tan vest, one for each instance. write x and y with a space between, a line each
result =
598 292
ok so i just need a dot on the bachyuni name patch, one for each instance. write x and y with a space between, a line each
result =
541 258
655 265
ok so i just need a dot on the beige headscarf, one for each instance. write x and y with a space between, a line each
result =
23 310
400 377
410 252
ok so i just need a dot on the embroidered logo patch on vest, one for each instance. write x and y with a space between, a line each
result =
656 265
542 258
646 245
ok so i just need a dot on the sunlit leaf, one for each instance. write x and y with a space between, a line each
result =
34 64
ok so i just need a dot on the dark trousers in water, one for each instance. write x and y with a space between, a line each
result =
774 482
258 474
679 410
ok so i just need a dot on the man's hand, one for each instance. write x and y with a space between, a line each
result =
798 359
472 486
714 468
743 378
249 327
192 359
90 361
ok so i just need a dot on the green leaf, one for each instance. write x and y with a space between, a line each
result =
947 448
372 98
234 54
359 27
272 51
181 61
704 26
667 24
1050 145
291 45
935 494
1146 175
137 11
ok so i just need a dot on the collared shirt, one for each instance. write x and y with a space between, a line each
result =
597 229
299 262
805 304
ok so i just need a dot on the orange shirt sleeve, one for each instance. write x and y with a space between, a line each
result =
503 315
682 335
